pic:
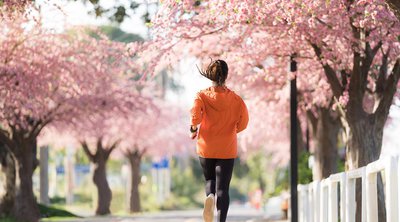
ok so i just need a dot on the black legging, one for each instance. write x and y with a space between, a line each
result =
218 174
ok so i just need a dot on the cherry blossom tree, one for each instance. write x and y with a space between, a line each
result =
45 78
99 137
102 146
139 131
144 126
159 132
101 133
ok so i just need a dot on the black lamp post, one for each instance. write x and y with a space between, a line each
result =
293 141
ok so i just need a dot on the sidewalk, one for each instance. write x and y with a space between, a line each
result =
236 214
156 219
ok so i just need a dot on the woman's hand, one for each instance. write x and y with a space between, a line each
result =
193 132
193 135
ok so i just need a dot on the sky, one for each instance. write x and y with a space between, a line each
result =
75 13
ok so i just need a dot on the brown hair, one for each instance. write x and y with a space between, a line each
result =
217 71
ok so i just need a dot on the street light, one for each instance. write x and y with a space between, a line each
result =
293 141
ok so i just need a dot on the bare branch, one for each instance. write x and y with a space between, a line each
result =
49 117
111 148
380 82
330 74
389 91
144 151
323 23
99 145
344 75
370 54
87 151
355 87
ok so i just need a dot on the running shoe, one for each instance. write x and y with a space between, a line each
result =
208 213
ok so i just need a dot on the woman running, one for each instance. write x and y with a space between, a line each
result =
221 115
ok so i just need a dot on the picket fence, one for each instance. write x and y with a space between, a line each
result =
333 199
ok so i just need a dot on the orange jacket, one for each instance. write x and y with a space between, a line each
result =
221 115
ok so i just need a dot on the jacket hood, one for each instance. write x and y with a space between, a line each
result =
218 97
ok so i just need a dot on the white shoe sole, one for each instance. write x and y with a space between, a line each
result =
208 213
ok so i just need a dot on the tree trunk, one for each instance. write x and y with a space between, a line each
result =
134 160
364 141
103 189
8 168
364 146
25 208
326 150
99 159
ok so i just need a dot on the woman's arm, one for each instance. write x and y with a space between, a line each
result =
197 111
196 115
243 119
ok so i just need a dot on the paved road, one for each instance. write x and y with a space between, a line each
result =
236 214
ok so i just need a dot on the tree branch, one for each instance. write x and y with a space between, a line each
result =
367 61
356 87
380 82
13 49
111 148
330 74
36 128
323 23
87 151
390 89
144 151
45 120
136 151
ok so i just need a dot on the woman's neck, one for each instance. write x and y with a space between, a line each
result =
216 84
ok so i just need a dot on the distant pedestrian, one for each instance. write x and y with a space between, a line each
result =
221 114
285 203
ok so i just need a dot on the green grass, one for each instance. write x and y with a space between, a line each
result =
50 214
7 219
56 219
46 211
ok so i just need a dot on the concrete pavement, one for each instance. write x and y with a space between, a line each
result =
236 214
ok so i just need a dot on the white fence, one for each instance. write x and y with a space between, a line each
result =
320 201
